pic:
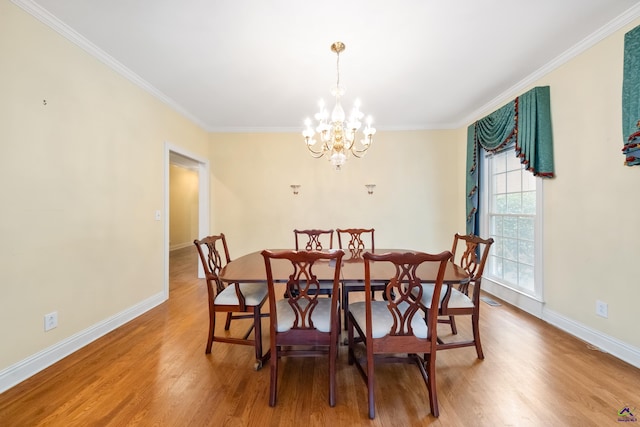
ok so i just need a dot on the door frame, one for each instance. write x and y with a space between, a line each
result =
202 166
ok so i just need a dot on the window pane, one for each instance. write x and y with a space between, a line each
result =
510 227
497 247
500 203
528 182
514 183
529 202
525 252
525 277
513 161
500 183
526 228
499 163
495 265
514 203
510 273
510 249
496 225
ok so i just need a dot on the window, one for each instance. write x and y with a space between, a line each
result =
509 215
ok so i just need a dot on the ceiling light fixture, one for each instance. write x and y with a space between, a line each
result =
337 137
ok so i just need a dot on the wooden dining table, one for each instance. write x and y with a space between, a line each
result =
250 268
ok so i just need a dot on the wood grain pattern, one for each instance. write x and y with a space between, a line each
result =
153 372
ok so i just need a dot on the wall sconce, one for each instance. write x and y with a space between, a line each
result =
370 188
295 188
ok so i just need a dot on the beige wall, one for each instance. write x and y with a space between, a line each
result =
81 179
183 207
417 202
591 209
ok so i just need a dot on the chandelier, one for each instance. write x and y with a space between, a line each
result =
338 138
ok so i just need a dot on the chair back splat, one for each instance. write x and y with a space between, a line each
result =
301 323
355 241
394 329
313 239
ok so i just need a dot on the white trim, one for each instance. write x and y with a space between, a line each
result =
606 343
518 299
588 42
603 342
30 366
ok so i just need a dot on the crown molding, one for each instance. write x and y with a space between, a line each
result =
590 41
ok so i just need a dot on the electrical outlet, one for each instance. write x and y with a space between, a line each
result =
50 321
602 309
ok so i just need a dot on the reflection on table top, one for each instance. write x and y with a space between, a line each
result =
250 268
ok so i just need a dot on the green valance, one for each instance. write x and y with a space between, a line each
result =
525 121
631 98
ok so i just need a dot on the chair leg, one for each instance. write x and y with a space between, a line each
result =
345 305
351 358
431 383
212 328
257 326
370 382
452 322
273 386
228 322
476 335
333 356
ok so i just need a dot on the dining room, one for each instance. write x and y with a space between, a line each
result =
86 156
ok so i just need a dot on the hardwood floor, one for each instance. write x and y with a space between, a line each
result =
153 372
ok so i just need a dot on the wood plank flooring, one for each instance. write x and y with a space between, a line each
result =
153 372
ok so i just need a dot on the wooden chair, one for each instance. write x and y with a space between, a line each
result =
302 324
313 239
457 302
393 330
355 241
237 300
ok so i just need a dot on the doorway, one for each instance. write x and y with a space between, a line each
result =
178 157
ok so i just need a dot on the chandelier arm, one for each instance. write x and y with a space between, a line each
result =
316 154
358 153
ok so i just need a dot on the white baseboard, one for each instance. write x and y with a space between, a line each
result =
606 343
30 366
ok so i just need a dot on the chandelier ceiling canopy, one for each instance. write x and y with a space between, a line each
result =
337 134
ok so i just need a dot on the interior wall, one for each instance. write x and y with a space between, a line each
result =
83 173
590 247
590 209
418 201
183 206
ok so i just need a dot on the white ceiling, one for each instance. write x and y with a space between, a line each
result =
256 65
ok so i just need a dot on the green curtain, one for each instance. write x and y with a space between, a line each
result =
631 98
525 121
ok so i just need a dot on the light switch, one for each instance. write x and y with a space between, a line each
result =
158 215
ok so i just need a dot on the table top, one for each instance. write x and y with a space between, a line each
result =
250 268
